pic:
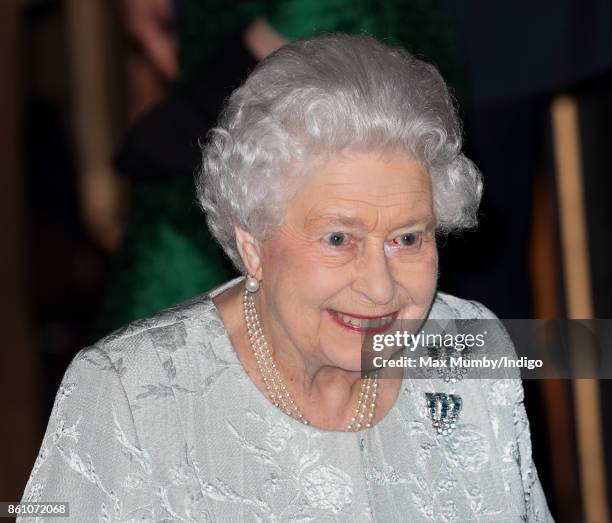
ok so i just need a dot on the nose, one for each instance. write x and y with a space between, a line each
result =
374 280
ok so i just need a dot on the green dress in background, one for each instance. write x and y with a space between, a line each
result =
168 255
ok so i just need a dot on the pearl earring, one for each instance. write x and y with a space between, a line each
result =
252 284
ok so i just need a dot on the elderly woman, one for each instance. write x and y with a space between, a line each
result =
330 172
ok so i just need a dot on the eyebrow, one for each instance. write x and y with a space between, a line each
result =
340 219
358 223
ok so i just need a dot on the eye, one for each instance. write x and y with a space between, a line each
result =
407 240
337 239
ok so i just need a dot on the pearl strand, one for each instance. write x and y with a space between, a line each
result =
276 388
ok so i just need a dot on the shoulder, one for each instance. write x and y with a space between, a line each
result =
168 328
171 347
124 403
171 329
447 306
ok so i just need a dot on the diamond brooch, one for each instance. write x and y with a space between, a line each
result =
443 410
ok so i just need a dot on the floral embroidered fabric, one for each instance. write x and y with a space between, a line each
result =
160 422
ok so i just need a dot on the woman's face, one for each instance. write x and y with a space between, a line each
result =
356 250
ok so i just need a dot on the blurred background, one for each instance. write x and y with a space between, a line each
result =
103 103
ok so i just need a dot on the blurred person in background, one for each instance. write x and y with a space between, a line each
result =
152 59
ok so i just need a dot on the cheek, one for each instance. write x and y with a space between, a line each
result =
298 288
419 276
295 268
432 262
287 256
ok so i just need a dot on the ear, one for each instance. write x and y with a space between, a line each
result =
250 252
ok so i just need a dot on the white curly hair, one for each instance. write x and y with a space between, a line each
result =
321 96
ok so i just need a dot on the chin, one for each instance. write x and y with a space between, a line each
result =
350 357
352 366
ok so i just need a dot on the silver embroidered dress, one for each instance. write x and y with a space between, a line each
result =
160 422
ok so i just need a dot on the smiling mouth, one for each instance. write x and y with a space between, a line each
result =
362 324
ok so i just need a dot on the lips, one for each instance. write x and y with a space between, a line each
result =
361 323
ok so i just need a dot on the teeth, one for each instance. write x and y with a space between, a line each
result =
365 323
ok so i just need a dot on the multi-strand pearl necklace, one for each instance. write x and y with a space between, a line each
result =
277 390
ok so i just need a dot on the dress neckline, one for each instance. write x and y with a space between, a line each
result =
263 401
